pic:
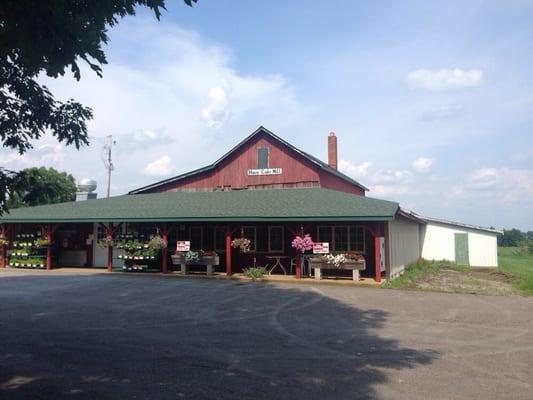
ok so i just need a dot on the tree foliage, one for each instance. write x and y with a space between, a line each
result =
511 238
50 38
38 186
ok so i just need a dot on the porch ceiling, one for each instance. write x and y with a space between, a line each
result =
310 204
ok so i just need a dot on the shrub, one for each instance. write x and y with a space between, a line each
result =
255 272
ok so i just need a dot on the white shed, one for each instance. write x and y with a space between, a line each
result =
461 243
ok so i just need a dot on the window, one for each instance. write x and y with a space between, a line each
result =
220 238
249 232
101 232
325 234
262 157
196 237
275 234
208 238
343 238
357 238
262 232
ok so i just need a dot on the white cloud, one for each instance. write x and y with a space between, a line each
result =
423 164
494 185
443 112
165 100
445 79
353 170
160 167
47 153
216 111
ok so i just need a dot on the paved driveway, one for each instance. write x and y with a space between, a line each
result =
152 337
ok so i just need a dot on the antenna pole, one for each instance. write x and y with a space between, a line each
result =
108 161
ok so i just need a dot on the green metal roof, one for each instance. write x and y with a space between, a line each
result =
309 204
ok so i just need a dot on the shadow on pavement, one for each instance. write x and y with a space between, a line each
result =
118 337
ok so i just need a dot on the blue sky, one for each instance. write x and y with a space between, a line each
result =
432 102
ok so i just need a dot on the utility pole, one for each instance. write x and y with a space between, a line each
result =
107 160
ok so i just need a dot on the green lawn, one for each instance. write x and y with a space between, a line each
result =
514 276
518 266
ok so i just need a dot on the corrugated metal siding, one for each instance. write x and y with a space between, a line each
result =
483 249
403 244
439 244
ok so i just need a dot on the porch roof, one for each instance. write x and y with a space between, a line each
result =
309 204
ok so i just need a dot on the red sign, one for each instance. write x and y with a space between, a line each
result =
183 245
321 248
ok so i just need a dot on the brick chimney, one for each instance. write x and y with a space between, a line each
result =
332 150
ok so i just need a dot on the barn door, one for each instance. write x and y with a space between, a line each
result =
461 248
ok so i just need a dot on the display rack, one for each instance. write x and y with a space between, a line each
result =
139 255
28 251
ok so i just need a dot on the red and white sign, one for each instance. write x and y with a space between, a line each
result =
321 248
183 245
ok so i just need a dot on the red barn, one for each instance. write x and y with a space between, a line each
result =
263 161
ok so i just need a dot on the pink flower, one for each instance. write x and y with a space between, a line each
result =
302 244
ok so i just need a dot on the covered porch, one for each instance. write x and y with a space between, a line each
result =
101 233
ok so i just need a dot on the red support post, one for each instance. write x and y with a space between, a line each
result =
164 254
3 256
48 236
228 254
298 269
3 247
377 257
109 234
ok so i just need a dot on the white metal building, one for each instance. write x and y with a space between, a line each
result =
410 236
464 244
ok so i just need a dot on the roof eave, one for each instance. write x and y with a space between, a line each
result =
202 219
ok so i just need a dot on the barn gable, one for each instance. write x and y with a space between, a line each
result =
261 161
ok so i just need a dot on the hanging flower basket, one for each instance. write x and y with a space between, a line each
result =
157 243
242 244
302 244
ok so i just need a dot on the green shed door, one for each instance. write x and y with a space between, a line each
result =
461 248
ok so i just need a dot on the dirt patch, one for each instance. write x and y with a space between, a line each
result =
478 281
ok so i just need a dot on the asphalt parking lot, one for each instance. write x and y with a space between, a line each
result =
119 336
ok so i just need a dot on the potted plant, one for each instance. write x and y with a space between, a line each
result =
301 245
242 244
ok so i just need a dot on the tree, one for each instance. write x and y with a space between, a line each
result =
511 238
50 37
38 186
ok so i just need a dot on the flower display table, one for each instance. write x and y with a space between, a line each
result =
318 264
208 261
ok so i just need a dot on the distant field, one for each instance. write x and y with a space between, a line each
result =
514 276
518 267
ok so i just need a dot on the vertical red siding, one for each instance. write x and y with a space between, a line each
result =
231 173
330 181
